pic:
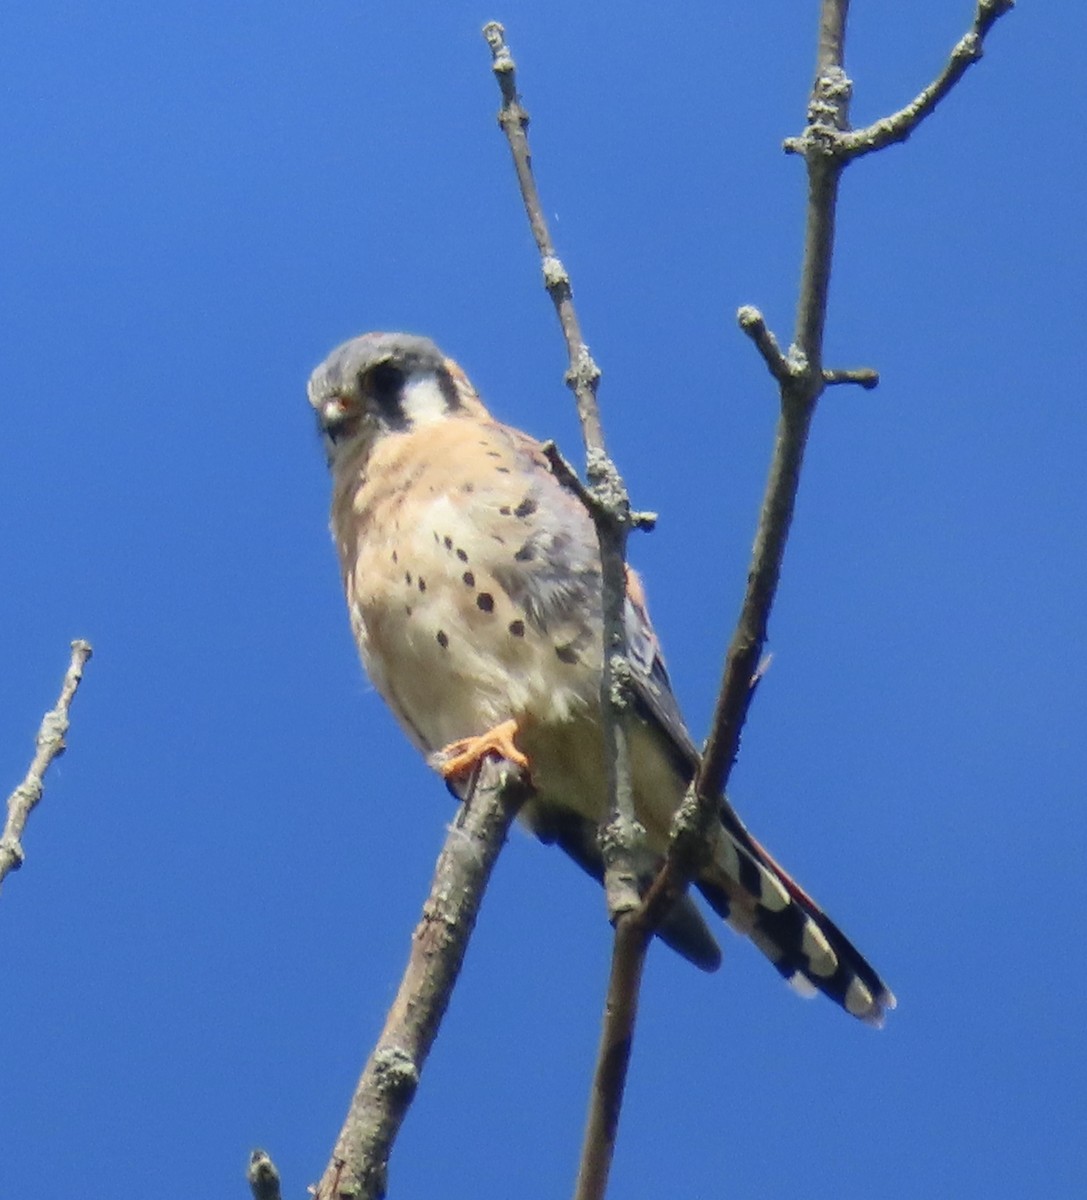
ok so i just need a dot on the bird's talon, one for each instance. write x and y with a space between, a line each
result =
465 754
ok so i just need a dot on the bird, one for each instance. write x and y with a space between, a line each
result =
473 585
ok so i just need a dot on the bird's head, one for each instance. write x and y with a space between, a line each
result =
385 383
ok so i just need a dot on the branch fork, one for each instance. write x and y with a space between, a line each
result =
828 131
792 370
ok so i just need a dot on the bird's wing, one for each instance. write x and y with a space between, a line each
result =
655 700
743 883
564 587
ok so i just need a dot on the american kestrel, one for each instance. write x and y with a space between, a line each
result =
473 587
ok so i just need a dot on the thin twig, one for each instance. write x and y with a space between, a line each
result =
787 367
753 323
967 51
358 1167
263 1177
606 499
50 745
621 836
800 381
864 377
565 473
583 375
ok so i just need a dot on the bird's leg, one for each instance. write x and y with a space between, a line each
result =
463 755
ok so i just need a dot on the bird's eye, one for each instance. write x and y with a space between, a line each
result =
385 382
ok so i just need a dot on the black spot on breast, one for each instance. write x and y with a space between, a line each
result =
566 654
447 542
526 554
517 628
462 555
443 638
407 610
505 510
407 578
526 508
485 602
502 470
396 557
422 584
491 453
469 578
467 488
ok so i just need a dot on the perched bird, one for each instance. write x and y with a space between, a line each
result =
473 586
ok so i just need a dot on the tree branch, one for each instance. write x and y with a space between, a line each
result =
827 149
632 938
583 375
753 323
359 1163
898 126
622 837
263 1177
50 745
864 377
606 499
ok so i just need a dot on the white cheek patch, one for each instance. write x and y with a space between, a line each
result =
422 400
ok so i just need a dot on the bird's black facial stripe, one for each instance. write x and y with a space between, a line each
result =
405 392
383 385
384 382
449 389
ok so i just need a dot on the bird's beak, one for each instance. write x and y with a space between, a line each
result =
336 410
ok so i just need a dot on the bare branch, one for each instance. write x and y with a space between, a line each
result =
801 378
566 474
827 148
583 375
865 377
898 127
850 144
828 115
358 1167
607 501
613 1057
50 745
753 323
263 1177
606 498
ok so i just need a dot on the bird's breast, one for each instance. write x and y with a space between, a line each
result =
452 607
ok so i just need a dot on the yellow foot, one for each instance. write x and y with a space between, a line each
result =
460 757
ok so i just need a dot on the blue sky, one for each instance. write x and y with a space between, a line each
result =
198 203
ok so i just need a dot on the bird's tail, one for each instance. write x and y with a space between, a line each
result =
759 899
